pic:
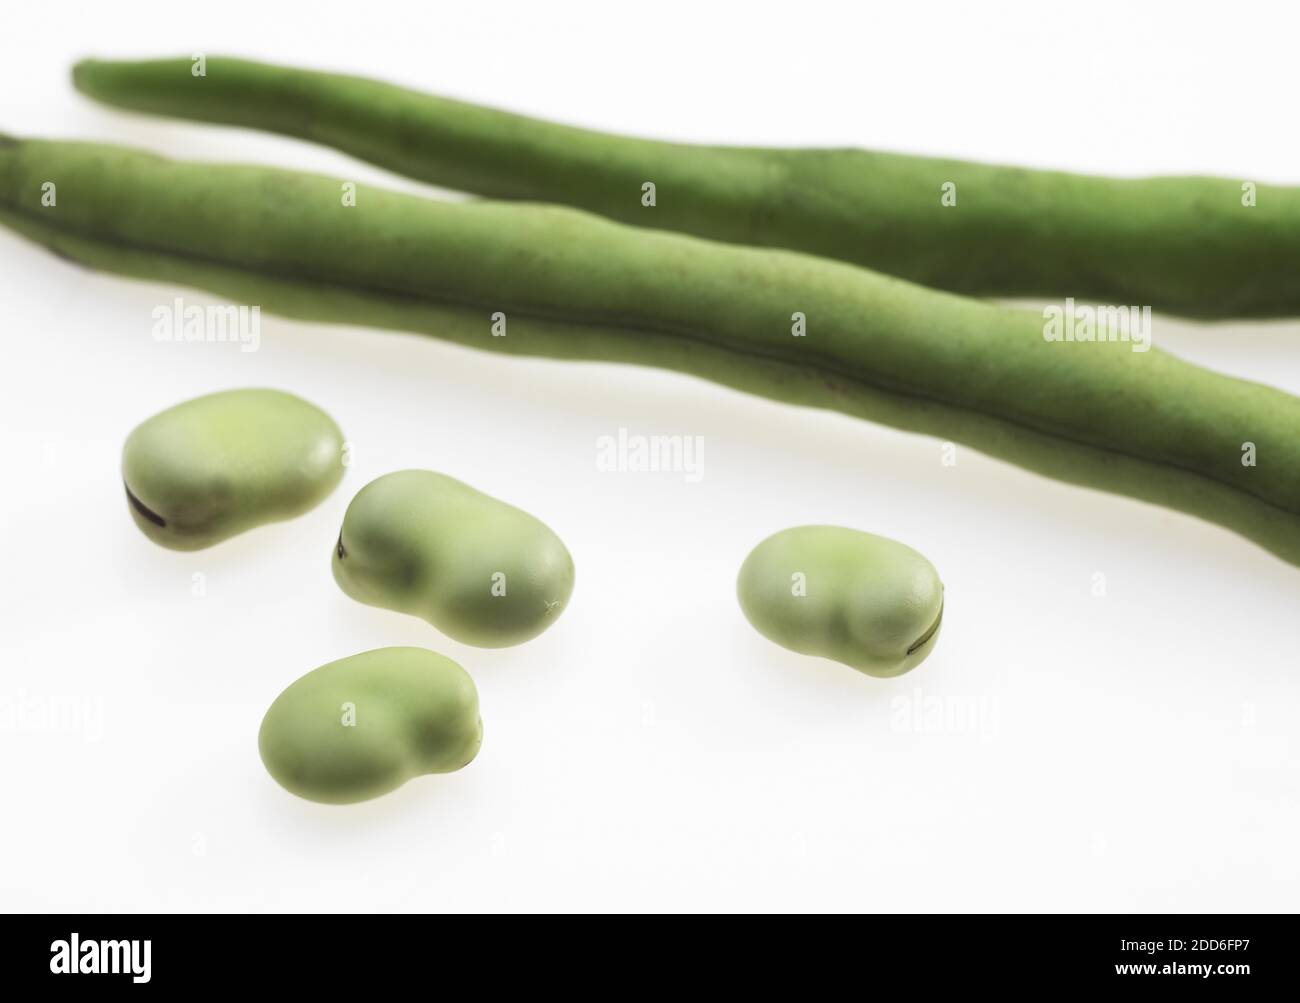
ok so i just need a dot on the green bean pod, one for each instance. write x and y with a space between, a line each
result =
550 281
1203 247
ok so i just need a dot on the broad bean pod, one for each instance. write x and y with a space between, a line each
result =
1198 246
572 285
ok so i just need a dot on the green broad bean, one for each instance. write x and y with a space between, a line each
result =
218 465
864 600
569 285
483 572
364 725
1204 247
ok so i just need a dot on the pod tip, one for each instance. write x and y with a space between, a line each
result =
80 70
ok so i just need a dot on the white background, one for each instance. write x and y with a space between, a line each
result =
1132 751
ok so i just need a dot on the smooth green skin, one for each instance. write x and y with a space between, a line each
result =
575 286
424 543
867 601
412 712
1179 244
218 465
